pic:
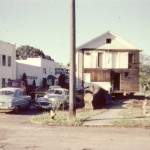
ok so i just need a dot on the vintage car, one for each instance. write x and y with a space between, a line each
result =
13 99
55 98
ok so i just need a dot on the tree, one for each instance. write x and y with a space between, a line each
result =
61 80
24 77
25 51
144 69
48 57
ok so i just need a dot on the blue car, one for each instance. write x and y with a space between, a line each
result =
13 99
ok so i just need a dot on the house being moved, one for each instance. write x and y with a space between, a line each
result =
109 62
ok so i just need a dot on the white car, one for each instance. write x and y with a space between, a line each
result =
14 99
54 99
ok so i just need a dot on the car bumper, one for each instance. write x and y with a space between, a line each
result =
6 109
47 107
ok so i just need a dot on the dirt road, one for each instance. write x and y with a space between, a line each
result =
17 133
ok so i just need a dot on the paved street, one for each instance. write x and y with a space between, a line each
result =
17 133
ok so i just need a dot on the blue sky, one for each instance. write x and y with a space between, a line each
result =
45 24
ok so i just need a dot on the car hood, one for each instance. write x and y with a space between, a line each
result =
47 99
42 99
51 96
5 98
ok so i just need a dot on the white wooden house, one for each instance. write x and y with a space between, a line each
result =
7 62
110 62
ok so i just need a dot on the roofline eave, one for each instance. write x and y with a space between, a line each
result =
89 49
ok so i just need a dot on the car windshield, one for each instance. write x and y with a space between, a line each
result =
15 84
54 92
6 93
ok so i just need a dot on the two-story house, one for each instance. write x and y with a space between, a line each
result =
7 62
109 62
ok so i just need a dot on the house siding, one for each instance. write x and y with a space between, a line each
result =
129 79
98 75
39 68
79 69
130 82
135 64
113 66
104 77
109 59
7 71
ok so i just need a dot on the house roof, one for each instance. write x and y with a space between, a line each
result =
117 43
6 42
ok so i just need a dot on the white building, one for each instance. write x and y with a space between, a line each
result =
110 62
38 69
7 62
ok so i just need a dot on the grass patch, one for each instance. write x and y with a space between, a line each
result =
132 123
132 112
133 109
132 115
61 118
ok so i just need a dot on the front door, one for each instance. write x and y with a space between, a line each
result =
116 81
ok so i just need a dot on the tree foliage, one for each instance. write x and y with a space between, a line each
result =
26 51
24 77
62 81
144 69
48 57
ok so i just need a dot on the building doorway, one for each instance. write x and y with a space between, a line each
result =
116 81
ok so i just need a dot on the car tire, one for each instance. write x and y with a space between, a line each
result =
17 109
28 106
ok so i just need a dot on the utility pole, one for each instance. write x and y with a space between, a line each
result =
72 86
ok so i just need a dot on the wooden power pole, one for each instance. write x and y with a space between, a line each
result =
72 86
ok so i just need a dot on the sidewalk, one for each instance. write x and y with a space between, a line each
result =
105 118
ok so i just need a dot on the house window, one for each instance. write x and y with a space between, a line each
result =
44 70
100 60
57 71
131 58
3 82
9 61
87 60
108 40
4 60
114 59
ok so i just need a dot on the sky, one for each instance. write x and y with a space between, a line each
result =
45 24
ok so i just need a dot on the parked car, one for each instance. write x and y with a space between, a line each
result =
54 98
17 84
14 99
